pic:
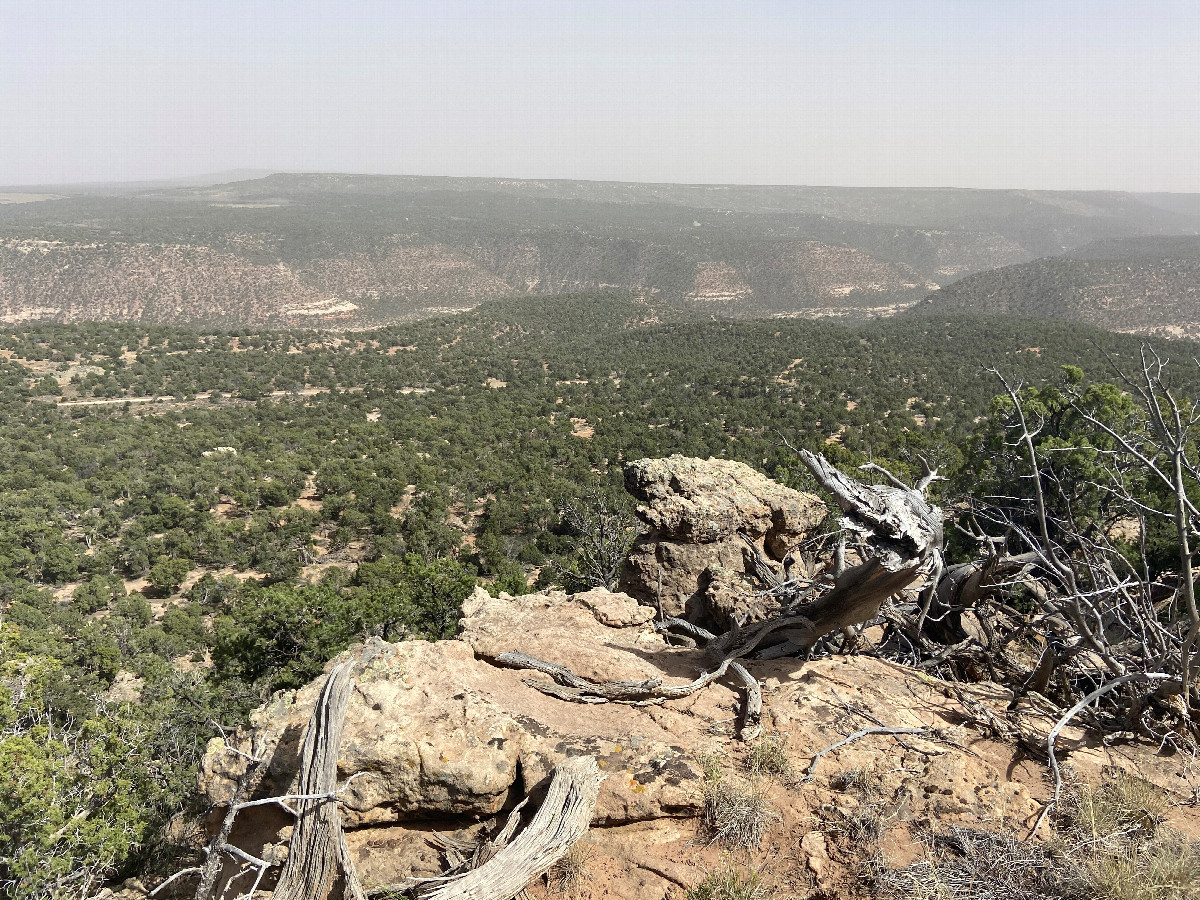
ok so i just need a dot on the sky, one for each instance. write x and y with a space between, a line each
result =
968 93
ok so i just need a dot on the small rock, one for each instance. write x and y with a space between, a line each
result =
614 610
815 849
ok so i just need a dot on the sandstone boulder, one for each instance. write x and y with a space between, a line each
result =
695 510
446 739
439 730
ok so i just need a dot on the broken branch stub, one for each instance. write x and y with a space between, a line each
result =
902 528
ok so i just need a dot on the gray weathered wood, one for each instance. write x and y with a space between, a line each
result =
562 819
318 852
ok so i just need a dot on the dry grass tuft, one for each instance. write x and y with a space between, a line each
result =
1110 846
736 811
966 864
1119 810
859 782
730 883
569 873
769 757
866 822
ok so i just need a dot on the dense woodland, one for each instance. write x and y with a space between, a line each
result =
190 520
1148 285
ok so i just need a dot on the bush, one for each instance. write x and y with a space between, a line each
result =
167 575
736 811
730 883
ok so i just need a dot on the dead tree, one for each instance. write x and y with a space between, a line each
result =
898 534
602 534
318 847
317 853
1109 626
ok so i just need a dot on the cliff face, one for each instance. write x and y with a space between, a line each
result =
443 740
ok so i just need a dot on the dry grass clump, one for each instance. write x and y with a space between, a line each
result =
736 811
855 781
1110 846
729 883
569 873
866 822
1120 810
1166 869
769 757
1112 833
967 864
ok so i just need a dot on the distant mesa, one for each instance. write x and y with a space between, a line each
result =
357 251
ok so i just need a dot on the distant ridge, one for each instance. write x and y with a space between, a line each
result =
120 188
1145 284
350 251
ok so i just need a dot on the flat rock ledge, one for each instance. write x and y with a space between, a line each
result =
440 730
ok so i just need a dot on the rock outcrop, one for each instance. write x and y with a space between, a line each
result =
443 741
695 511
440 730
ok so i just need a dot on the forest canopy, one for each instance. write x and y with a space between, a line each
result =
190 520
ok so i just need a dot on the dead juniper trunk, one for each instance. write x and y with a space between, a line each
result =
898 537
318 851
562 819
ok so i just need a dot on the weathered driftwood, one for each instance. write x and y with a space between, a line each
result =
900 525
902 532
562 819
318 851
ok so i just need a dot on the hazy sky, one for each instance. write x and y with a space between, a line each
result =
975 93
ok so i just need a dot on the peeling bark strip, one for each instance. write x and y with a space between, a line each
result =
562 820
318 847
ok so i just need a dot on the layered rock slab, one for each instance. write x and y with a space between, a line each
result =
438 730
695 510
446 739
